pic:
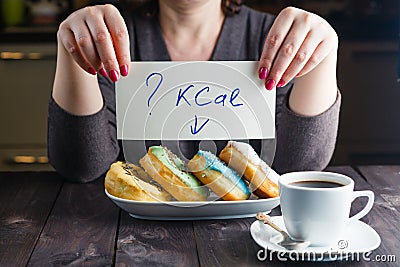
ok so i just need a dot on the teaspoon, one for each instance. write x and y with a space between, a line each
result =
287 242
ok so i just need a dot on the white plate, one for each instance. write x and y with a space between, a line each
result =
357 239
199 210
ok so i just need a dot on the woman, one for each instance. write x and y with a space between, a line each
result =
297 53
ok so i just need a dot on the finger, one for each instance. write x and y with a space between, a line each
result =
316 58
119 34
301 58
103 43
86 45
286 53
67 38
103 71
273 42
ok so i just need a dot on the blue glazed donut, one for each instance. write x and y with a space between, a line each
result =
221 179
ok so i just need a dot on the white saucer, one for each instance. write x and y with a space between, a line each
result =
357 239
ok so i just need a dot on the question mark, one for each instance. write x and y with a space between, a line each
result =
158 85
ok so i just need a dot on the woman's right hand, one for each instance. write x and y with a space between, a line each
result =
97 39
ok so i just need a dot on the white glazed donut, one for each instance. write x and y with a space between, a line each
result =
244 160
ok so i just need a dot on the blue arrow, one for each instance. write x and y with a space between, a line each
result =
194 129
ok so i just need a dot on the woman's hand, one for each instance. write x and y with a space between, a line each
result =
296 44
97 39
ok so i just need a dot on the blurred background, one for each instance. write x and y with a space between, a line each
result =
368 69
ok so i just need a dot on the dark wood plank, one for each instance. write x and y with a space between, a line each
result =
384 219
226 243
386 181
155 243
26 199
81 229
382 175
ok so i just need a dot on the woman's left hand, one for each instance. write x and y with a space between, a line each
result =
296 44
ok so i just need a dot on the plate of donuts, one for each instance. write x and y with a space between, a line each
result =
235 184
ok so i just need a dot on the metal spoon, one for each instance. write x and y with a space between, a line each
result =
287 241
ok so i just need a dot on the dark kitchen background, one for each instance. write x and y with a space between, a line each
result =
367 73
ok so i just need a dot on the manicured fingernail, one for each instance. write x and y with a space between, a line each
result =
103 72
269 84
124 70
92 71
114 75
281 83
262 73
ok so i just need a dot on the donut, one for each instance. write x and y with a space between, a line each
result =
244 160
218 176
129 181
166 169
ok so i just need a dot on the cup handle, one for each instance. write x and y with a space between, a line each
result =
368 207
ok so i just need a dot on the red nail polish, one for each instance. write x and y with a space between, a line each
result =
114 75
269 84
281 83
103 72
124 70
92 71
262 73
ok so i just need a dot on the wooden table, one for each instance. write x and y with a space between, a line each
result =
46 222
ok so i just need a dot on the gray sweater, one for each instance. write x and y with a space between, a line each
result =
82 148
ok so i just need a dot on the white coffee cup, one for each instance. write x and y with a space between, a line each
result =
317 214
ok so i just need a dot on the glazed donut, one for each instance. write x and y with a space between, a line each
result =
166 168
244 160
218 177
129 181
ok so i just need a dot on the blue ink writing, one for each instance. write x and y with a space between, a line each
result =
194 129
182 95
218 100
158 85
197 95
234 94
200 99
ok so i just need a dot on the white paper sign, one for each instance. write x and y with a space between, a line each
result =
194 101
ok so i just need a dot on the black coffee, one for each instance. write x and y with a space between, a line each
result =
317 184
